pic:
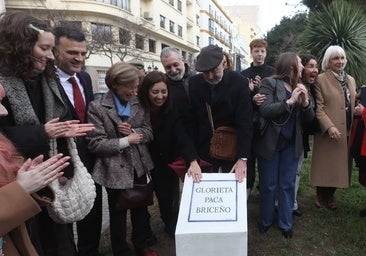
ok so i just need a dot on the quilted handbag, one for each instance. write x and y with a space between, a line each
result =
74 200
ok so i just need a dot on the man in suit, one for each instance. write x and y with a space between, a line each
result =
227 93
76 86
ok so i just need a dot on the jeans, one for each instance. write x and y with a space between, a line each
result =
277 177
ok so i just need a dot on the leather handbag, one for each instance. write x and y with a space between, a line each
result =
74 200
139 195
179 166
223 141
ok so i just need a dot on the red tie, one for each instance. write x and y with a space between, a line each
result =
78 99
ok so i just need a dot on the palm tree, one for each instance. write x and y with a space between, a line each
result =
340 24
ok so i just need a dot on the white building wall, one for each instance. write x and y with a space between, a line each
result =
143 17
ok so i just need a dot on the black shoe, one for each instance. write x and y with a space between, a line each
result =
169 230
150 241
287 233
363 213
297 212
262 229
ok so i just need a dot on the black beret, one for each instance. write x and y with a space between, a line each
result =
209 58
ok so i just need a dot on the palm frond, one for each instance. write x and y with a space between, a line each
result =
342 24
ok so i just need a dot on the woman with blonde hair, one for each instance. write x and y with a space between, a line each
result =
119 142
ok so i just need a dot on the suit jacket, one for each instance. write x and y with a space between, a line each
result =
272 110
115 167
231 105
81 143
331 162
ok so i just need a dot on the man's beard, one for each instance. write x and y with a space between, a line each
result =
178 76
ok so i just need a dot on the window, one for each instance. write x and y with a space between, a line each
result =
102 87
101 32
152 45
164 45
171 26
124 36
179 5
197 20
211 25
184 55
123 4
171 2
211 40
197 40
162 21
180 31
139 40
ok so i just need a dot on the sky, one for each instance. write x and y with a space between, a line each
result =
272 10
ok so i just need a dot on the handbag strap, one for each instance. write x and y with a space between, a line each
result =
148 175
209 113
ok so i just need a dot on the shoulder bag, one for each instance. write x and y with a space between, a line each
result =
138 196
74 200
223 141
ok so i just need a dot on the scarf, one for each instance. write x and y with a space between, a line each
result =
123 110
343 80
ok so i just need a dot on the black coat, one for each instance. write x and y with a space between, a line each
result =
170 140
263 71
231 106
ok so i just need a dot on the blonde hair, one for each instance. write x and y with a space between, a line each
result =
121 73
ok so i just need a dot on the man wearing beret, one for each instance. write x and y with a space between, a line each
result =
227 92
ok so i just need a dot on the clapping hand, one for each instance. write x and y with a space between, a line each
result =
35 174
67 129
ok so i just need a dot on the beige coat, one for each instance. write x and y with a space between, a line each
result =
16 207
331 162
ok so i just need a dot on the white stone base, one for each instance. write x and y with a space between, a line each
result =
212 217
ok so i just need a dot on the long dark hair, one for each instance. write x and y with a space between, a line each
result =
284 63
147 83
17 40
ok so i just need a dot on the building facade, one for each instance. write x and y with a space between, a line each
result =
121 30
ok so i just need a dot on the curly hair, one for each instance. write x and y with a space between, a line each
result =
17 40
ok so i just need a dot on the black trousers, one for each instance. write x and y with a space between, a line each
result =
166 187
89 229
140 220
251 170
50 238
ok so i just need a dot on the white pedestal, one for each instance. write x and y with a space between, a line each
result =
212 217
